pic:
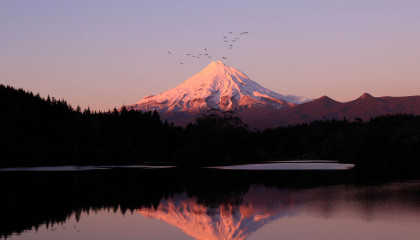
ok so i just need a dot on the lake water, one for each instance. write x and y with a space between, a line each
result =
74 168
271 165
292 165
208 204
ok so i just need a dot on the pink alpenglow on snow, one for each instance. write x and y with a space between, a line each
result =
216 86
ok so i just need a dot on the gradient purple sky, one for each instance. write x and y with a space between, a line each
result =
104 54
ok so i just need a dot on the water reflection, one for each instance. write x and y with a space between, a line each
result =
292 165
77 168
261 205
207 204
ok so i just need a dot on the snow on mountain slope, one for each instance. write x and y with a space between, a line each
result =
216 86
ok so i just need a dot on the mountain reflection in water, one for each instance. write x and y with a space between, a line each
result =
261 205
208 204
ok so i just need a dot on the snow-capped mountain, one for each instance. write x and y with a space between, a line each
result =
219 86
216 86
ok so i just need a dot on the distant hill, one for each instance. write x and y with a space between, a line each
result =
324 108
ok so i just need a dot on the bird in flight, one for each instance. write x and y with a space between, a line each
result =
229 44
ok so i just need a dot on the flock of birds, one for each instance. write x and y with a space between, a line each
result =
229 41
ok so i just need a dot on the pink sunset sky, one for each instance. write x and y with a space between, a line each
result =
104 54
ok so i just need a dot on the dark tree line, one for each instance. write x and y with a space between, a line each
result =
392 140
35 131
38 131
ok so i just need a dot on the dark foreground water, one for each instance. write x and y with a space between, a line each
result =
209 204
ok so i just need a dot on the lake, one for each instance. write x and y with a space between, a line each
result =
202 203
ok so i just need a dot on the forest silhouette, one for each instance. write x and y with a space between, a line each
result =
36 131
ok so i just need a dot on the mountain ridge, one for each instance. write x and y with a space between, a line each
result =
225 88
323 108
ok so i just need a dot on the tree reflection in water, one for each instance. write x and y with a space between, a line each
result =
204 203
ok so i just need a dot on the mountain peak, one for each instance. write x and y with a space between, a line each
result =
216 65
366 95
216 86
325 98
